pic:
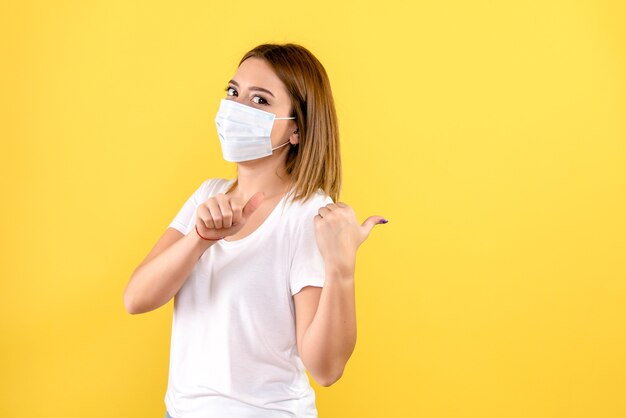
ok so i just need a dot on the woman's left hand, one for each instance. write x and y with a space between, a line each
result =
339 235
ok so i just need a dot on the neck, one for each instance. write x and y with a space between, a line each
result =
265 175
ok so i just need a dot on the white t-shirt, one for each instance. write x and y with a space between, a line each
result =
233 350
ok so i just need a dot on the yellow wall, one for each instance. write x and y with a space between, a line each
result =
492 135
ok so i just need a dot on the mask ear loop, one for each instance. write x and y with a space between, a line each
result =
288 142
296 131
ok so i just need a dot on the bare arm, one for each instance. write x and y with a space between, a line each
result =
161 275
326 327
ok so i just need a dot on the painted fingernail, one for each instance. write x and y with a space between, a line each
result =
383 221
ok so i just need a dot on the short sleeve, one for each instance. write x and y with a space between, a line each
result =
182 220
307 266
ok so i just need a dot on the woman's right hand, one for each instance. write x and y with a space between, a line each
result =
222 215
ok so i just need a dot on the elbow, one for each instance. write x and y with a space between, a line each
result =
326 373
135 303
129 306
129 303
132 311
328 379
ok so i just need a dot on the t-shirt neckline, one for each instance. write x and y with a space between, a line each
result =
259 228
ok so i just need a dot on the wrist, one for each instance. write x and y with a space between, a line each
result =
343 271
205 238
198 241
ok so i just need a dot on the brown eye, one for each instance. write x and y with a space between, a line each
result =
260 101
230 91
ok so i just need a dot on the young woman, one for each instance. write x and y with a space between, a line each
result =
261 267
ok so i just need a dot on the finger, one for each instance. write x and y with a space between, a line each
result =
370 222
341 205
216 213
236 208
323 211
253 204
227 214
205 217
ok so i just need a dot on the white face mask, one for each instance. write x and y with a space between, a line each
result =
244 131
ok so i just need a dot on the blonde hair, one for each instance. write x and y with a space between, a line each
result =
315 162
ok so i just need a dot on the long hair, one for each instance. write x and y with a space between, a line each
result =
315 162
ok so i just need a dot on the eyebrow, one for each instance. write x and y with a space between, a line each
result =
254 88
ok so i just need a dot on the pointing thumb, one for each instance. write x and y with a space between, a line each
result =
252 204
370 222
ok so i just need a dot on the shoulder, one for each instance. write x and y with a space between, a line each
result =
310 207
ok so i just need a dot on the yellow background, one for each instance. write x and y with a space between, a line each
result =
492 135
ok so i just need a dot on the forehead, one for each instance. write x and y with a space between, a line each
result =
257 72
